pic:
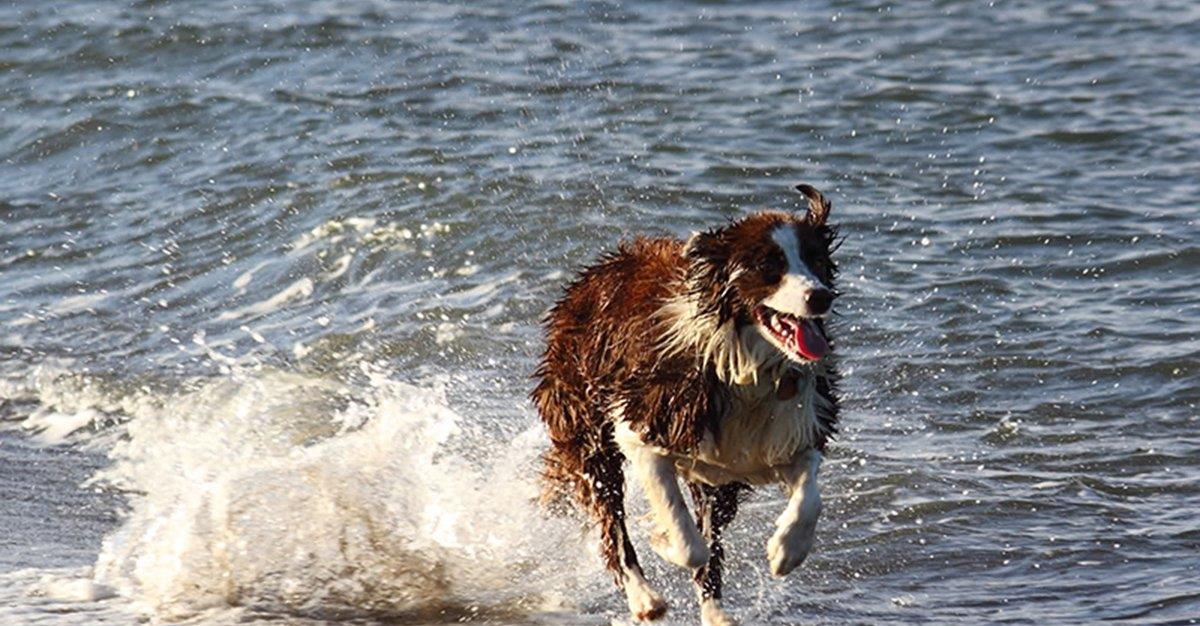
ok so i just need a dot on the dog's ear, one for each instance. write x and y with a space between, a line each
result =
818 206
710 270
710 246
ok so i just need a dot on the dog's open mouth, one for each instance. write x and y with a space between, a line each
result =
801 337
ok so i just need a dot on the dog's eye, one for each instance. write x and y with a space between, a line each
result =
772 268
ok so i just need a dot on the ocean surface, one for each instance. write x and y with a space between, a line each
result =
271 275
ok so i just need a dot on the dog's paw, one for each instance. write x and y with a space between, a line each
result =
789 546
689 553
644 603
711 614
652 611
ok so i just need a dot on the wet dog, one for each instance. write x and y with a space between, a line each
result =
707 360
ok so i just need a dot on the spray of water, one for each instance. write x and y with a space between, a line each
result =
288 493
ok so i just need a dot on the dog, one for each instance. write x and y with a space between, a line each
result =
708 360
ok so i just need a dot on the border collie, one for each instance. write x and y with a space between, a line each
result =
707 360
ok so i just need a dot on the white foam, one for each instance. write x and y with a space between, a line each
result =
78 303
51 427
333 231
59 596
243 280
289 493
300 289
72 403
340 267
61 588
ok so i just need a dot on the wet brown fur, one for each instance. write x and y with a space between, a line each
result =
604 354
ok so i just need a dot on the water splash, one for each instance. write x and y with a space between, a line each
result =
287 493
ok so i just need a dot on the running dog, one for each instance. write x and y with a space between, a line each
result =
708 360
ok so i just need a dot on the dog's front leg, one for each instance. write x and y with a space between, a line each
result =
681 542
795 527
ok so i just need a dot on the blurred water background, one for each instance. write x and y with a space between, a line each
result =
271 272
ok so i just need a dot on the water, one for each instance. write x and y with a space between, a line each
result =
270 277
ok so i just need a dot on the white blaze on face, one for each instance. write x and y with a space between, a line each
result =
791 296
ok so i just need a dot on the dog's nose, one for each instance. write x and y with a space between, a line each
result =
819 301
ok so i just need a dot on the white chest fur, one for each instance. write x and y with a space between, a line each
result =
757 439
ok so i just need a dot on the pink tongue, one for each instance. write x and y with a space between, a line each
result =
809 341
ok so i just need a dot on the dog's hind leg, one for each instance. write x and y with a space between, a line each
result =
606 491
584 461
715 509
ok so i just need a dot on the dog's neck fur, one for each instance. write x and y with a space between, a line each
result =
738 356
750 367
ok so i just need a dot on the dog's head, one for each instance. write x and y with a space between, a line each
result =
772 270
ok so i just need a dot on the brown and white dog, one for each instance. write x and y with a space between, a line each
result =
706 360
